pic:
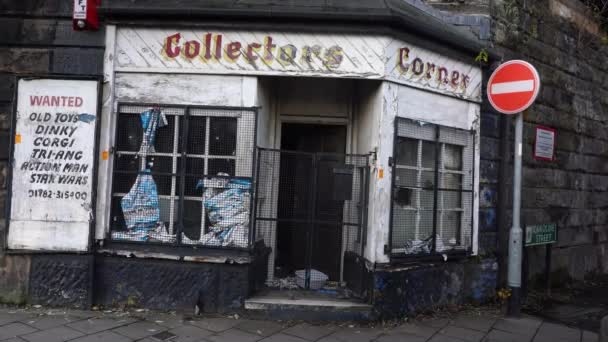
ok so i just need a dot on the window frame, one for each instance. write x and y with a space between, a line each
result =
178 175
438 189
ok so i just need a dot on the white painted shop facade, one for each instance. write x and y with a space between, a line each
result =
345 89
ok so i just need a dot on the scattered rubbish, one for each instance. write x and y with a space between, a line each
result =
288 283
317 279
418 246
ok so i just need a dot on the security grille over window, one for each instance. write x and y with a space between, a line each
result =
432 198
183 175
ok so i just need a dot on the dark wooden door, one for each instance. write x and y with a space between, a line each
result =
305 191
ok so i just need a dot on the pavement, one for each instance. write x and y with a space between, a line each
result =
38 324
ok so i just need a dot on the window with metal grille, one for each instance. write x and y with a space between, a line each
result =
432 198
192 185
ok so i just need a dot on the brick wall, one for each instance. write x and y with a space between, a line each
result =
36 38
561 39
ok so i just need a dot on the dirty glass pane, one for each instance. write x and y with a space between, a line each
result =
451 199
221 166
426 224
192 219
222 136
427 180
196 135
450 230
451 181
404 197
406 177
426 199
452 159
404 223
407 152
129 133
165 136
428 154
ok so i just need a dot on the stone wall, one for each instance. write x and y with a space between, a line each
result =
37 39
564 42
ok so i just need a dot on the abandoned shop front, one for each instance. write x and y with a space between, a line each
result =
234 164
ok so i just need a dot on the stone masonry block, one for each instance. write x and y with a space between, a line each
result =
21 60
77 61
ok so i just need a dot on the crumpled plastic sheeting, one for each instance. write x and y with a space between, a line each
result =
140 206
227 202
158 234
417 246
150 121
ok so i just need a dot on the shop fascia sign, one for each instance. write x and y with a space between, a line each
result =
287 53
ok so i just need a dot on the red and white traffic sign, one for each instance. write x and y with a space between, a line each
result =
513 87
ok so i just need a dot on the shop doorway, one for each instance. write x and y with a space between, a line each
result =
319 195
305 192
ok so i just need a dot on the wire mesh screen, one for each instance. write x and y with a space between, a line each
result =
183 175
432 197
310 209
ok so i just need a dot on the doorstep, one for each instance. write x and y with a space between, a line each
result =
306 305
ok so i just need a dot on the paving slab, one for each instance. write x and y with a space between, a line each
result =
520 326
139 330
354 335
436 323
400 337
550 332
261 328
310 332
234 335
215 324
463 334
167 321
9 316
56 334
95 325
483 324
589 336
51 321
189 333
415 329
444 338
280 337
15 329
104 336
502 336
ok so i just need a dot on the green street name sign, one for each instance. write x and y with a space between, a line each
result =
541 234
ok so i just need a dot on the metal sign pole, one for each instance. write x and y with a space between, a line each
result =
516 233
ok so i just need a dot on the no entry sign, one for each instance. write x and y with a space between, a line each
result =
513 87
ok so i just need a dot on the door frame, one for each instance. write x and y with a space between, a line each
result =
315 120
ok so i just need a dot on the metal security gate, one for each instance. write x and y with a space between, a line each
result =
310 208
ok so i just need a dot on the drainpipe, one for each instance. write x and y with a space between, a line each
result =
503 200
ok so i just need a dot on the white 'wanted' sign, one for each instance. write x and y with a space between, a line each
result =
52 164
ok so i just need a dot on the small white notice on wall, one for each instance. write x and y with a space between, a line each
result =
544 143
53 163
